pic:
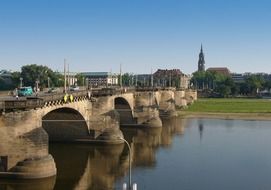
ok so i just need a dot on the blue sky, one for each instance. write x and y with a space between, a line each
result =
99 35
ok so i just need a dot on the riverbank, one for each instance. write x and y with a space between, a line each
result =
243 116
229 108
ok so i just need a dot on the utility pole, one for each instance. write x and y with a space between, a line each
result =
65 81
48 78
68 78
151 78
111 78
120 77
132 79
170 79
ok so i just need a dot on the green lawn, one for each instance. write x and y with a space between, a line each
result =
231 105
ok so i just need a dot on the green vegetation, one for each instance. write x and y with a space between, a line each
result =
221 85
231 105
30 75
41 74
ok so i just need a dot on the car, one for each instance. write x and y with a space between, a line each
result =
74 88
53 90
25 91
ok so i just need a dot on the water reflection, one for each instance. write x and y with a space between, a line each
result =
87 166
41 184
189 154
84 166
171 127
200 130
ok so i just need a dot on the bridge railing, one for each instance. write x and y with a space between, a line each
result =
36 101
59 96
26 103
158 88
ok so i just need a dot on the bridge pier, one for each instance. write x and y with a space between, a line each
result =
21 131
148 116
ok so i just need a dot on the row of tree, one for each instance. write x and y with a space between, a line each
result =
30 75
223 85
215 83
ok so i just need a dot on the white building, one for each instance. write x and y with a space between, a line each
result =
95 79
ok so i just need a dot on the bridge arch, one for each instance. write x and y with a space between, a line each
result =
122 106
65 124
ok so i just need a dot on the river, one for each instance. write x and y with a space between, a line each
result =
185 154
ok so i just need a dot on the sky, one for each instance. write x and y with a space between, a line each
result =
140 35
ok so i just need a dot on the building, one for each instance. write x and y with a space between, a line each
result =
171 78
201 62
143 80
95 79
238 77
221 70
71 78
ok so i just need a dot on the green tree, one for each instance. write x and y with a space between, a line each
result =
267 84
198 79
224 85
255 83
15 77
127 79
3 85
9 83
33 73
80 79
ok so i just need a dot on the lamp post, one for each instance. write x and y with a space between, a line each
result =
86 83
21 82
48 82
37 85
130 186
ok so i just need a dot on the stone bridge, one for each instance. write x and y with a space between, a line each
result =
80 119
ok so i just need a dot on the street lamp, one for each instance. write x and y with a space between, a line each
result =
37 85
134 186
86 83
48 82
21 82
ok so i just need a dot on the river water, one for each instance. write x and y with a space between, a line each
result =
185 154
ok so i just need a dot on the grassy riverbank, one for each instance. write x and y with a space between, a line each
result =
230 108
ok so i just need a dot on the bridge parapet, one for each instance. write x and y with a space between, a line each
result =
33 102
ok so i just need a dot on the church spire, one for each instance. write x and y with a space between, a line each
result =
201 62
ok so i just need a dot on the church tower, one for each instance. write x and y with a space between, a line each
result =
201 62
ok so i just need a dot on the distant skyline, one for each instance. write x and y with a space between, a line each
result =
141 35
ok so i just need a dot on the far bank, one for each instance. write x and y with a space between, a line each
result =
229 108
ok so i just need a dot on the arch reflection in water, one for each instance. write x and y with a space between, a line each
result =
40 184
84 166
88 167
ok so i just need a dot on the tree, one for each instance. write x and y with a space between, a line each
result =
15 76
80 79
3 85
127 79
198 79
10 82
224 85
255 83
32 74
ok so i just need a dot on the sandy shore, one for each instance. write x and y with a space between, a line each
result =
243 116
